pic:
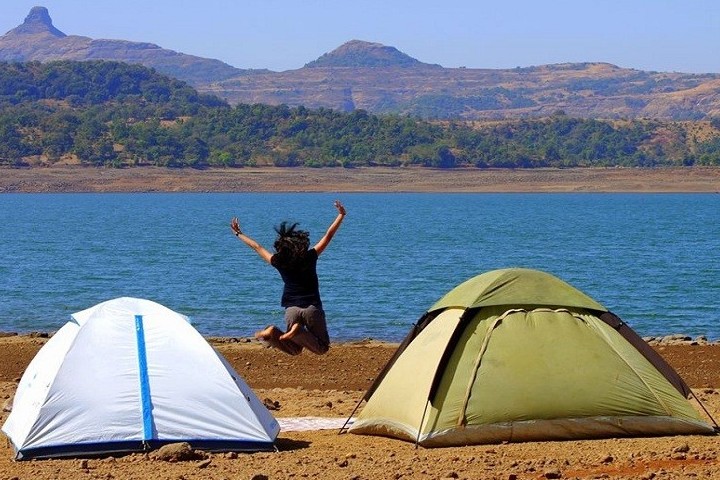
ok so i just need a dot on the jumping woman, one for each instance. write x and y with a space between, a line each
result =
296 262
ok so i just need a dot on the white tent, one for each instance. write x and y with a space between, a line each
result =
131 375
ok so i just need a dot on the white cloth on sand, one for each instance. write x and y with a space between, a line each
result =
301 424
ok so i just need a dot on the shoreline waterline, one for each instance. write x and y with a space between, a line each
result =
669 339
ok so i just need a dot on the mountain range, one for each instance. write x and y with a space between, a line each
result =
381 79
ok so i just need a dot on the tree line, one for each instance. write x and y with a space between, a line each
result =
114 114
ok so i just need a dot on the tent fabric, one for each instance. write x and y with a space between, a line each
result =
522 371
515 286
130 374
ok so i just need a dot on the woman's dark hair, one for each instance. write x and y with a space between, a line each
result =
291 244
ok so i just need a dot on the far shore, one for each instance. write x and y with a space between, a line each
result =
61 179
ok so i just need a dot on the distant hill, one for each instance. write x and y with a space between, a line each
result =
36 39
381 79
359 54
588 90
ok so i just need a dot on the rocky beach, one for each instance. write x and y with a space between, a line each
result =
330 386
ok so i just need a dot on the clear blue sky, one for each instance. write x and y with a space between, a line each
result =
660 35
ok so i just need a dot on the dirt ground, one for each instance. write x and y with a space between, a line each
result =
375 179
331 385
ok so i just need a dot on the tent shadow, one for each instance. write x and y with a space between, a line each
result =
289 444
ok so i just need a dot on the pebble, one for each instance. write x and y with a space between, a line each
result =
683 448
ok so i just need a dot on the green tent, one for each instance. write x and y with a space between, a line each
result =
519 355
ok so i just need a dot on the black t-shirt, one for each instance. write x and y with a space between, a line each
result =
301 282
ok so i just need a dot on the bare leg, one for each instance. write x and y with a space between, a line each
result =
266 333
272 335
303 338
292 332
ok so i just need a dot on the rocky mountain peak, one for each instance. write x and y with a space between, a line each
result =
358 53
37 21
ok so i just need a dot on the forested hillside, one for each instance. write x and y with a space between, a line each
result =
115 114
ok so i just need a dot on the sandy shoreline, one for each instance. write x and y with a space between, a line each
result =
376 179
331 385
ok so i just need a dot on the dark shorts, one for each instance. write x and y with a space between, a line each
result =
313 319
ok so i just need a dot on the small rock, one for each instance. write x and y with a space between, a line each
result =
271 404
259 476
343 463
204 463
176 452
84 464
552 474
684 448
607 459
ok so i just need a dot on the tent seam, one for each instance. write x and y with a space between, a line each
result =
478 360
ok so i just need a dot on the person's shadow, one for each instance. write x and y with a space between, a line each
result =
289 444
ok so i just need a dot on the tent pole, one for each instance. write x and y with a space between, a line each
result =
344 427
422 420
717 427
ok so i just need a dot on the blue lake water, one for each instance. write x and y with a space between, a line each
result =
653 259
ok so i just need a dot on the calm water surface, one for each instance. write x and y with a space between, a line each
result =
653 259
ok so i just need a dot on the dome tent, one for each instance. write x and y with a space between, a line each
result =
519 355
131 375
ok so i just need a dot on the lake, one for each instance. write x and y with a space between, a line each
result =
653 259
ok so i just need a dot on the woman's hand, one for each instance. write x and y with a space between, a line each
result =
340 207
235 226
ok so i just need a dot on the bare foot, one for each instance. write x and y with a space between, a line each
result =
264 334
291 333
